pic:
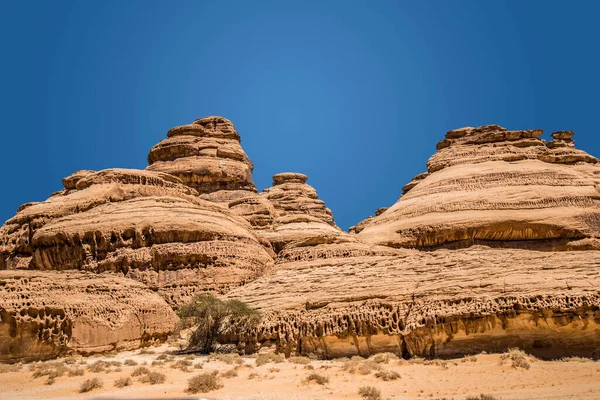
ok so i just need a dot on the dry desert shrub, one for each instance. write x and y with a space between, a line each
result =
309 367
299 360
190 357
70 360
145 351
130 363
417 360
5 368
576 359
253 375
153 378
360 365
273 370
263 359
139 371
204 383
316 378
518 357
182 365
51 370
199 366
469 359
50 380
387 375
76 372
369 393
482 397
90 385
228 358
102 366
383 358
122 382
162 357
232 373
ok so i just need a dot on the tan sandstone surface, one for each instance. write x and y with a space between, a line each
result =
497 245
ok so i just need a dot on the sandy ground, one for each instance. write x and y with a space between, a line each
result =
419 379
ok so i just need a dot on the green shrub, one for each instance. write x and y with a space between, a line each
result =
211 317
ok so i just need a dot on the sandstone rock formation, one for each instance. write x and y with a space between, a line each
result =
497 245
47 314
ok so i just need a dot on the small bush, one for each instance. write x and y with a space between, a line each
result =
369 393
182 365
228 358
4 368
122 382
50 380
190 357
387 375
204 383
144 351
299 360
383 358
51 370
139 371
90 385
518 357
153 378
199 366
263 359
469 359
162 357
232 373
76 372
130 363
316 378
253 375
482 397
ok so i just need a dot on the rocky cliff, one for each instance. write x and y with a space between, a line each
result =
496 245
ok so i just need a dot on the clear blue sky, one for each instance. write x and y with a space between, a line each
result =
355 94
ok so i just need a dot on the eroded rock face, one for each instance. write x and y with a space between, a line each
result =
47 314
206 155
481 193
442 303
299 213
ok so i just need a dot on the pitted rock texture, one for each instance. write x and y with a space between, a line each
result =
47 314
299 213
441 303
500 201
206 155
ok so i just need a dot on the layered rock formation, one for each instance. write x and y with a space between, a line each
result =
495 246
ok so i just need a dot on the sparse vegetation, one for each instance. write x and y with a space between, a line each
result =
139 371
387 375
76 372
130 363
383 358
182 365
316 378
204 383
263 359
299 360
518 357
228 358
153 378
212 316
51 370
103 366
122 382
369 393
50 380
232 373
146 351
253 375
162 357
90 384
482 397
5 368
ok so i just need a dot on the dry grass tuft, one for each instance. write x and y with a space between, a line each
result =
204 383
5 368
139 371
469 359
316 378
232 373
153 378
122 382
369 393
232 358
482 397
383 358
387 375
361 366
130 363
144 352
76 372
253 375
182 365
263 359
519 358
51 370
90 385
299 360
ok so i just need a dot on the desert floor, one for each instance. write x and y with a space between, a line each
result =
502 377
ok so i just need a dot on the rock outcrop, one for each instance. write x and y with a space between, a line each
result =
48 314
497 245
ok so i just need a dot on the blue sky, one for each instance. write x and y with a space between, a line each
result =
355 94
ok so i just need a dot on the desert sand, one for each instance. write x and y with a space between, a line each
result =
490 374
